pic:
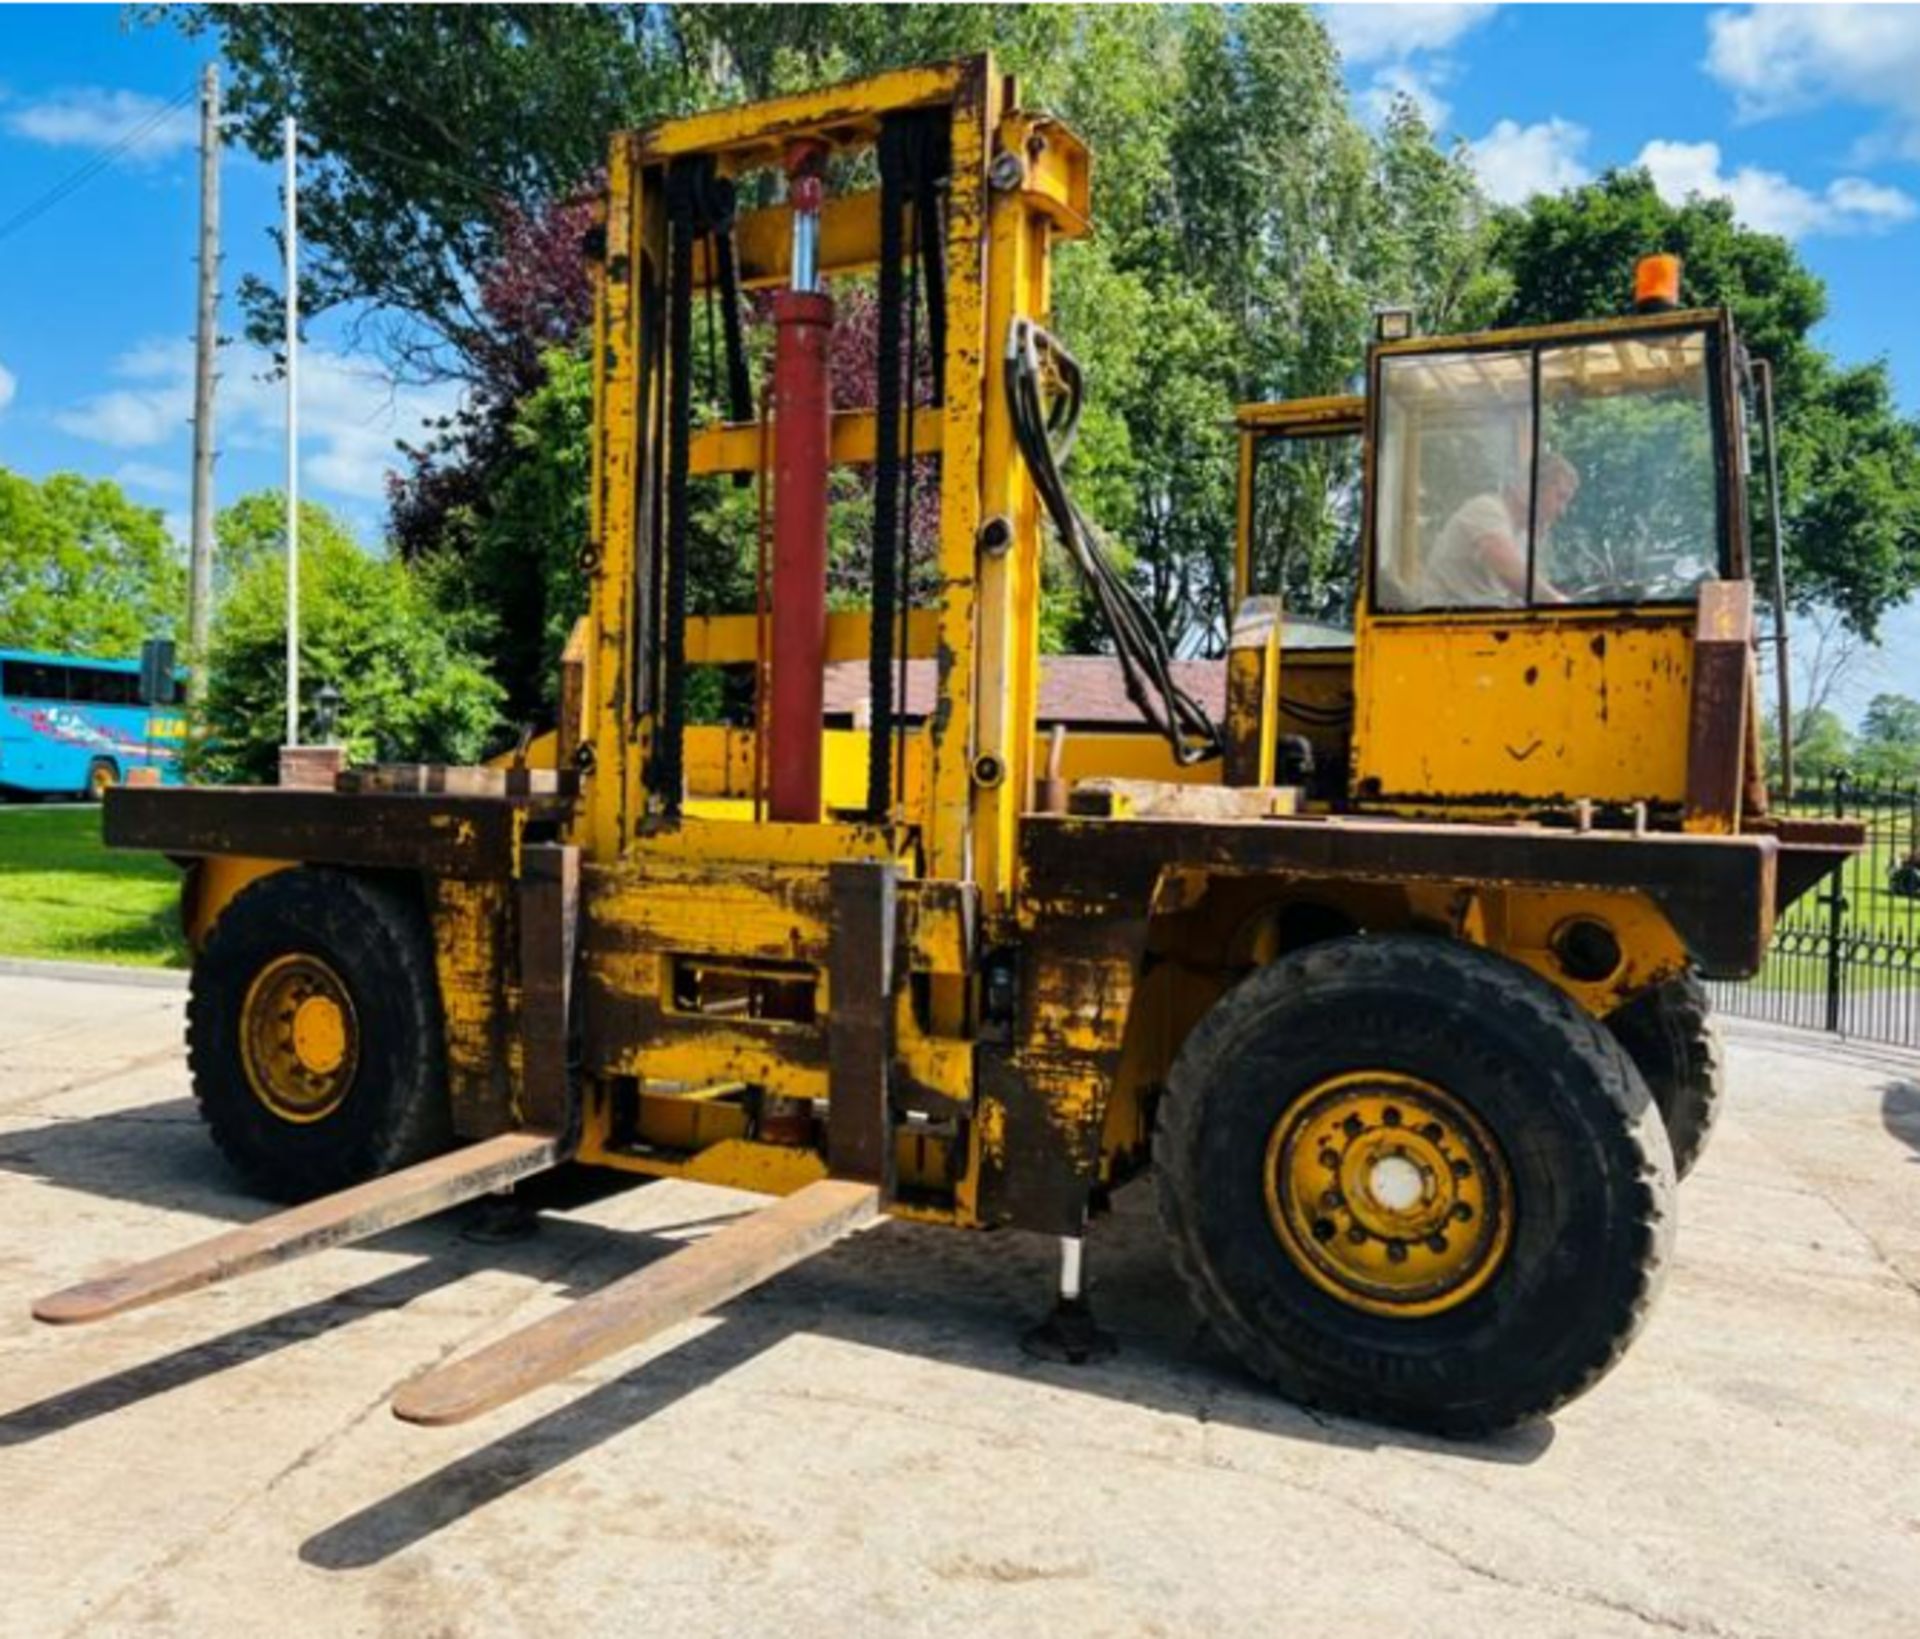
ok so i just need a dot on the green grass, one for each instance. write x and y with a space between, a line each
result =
66 897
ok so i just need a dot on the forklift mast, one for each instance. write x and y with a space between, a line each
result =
953 246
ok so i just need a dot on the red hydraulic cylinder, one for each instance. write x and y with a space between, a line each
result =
802 411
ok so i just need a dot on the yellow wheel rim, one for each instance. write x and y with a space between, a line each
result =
299 1039
1388 1193
100 781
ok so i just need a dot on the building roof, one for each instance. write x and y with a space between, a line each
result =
1080 689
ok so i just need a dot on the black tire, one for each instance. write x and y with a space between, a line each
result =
394 1109
1591 1221
1670 1036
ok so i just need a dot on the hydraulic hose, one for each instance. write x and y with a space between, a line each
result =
1045 435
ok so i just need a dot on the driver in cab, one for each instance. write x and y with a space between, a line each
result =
1480 559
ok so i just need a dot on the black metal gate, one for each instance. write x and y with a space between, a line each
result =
1844 958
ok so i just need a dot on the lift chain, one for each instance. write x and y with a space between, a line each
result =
914 162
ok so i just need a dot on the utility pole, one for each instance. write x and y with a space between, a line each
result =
293 442
206 342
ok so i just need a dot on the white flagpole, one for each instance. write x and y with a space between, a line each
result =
293 445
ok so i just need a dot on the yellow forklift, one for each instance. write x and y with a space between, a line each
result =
1348 968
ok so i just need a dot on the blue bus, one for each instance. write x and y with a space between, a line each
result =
70 726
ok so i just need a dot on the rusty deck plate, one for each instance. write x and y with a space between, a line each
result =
618 1317
334 1220
448 834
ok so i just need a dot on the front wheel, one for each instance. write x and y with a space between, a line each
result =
1409 1180
102 777
314 1033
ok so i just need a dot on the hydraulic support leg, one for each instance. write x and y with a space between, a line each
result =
1068 1334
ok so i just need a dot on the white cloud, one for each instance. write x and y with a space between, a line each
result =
1771 202
1371 34
154 479
1407 45
351 412
1419 83
1777 59
8 386
1516 161
94 117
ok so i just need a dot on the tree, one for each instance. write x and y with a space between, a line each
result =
254 528
505 556
411 685
1850 464
1247 222
82 569
1889 742
1822 746
428 132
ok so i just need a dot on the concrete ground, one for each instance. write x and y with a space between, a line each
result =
860 1448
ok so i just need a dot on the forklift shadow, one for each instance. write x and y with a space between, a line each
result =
445 1259
159 1155
957 1298
155 1155
936 1294
1900 1113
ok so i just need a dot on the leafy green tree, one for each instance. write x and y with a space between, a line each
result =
507 562
83 569
411 685
1822 746
1247 222
255 527
1850 464
1889 742
429 131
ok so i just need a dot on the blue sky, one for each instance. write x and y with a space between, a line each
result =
1807 117
97 294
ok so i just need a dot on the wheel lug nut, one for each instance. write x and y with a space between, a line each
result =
1323 1229
1356 1234
1396 1252
1431 1132
1353 1126
1330 1199
1436 1243
1391 1116
1462 1170
1329 1160
1462 1212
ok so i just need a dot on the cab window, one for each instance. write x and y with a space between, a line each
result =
1305 524
1515 478
1632 422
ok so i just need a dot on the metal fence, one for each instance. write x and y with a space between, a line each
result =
1846 958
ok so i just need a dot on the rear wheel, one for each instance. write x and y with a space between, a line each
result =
1407 1179
314 1033
1670 1036
102 777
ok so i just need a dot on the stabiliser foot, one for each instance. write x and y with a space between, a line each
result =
501 1220
1069 1336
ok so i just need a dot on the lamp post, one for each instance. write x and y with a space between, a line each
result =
326 713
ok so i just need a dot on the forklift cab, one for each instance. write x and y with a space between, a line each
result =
1548 520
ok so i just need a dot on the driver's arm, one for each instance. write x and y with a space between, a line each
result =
1502 554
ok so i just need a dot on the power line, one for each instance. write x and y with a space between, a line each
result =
73 183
